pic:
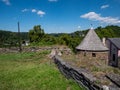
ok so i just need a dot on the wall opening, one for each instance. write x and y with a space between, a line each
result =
93 54
113 57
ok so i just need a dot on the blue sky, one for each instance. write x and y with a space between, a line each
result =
58 16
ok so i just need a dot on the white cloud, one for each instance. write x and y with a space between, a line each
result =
52 0
25 10
79 27
104 6
41 13
34 10
38 12
7 2
98 17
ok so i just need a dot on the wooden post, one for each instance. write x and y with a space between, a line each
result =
19 38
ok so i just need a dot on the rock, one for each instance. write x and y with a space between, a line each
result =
105 87
53 53
115 78
59 53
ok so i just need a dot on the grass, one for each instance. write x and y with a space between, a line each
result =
32 71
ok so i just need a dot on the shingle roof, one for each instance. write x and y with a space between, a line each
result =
91 42
115 41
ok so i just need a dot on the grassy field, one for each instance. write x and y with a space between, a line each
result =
32 71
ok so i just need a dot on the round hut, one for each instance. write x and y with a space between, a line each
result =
92 46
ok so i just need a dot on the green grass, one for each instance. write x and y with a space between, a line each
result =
32 71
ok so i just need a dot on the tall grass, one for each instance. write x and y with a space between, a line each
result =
32 71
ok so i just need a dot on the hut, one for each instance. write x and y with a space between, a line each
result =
114 51
92 46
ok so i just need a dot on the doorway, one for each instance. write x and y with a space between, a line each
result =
114 60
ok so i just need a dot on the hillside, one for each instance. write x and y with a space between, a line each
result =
11 38
69 39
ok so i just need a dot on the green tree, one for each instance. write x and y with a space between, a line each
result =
36 34
64 39
48 39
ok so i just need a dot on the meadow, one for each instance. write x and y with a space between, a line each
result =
32 71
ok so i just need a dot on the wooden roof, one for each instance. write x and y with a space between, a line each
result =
92 42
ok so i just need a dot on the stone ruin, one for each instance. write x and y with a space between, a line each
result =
58 49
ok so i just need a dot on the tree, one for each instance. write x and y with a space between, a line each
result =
64 39
36 34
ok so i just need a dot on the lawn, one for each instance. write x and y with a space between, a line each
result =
32 71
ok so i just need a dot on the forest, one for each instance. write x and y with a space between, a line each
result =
37 37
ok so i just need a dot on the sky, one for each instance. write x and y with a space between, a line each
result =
58 16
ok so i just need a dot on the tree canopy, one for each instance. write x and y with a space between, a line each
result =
36 34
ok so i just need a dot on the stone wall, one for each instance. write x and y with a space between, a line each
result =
98 55
62 49
84 78
80 76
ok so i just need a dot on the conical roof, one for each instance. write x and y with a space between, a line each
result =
92 42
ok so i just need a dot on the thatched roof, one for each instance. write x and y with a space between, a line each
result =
92 42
